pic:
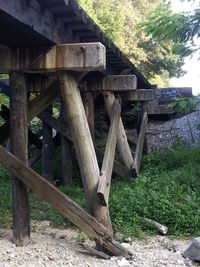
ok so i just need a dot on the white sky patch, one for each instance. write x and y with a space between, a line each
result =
192 64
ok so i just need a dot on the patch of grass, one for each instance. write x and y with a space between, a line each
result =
167 191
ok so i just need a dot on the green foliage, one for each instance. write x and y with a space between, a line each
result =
167 190
181 28
185 105
118 19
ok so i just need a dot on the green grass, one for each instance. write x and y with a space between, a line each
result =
167 190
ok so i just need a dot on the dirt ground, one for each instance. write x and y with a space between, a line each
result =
55 247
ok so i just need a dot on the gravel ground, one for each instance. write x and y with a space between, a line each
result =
55 247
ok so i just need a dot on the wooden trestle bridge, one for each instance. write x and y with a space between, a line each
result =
53 48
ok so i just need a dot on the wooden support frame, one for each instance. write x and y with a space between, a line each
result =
19 146
42 101
118 168
140 144
62 203
107 166
83 145
122 142
88 101
77 57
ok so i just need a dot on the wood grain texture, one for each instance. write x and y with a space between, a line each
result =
140 143
122 142
19 141
103 189
76 57
83 145
88 100
139 95
62 203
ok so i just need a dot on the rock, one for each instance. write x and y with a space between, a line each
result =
45 223
119 236
123 262
126 245
192 252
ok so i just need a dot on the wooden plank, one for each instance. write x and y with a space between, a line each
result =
19 141
83 145
139 95
62 203
119 83
88 101
47 149
115 83
118 168
107 166
153 108
77 57
122 142
140 143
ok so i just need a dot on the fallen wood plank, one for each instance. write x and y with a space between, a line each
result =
76 57
103 189
140 143
161 228
122 142
62 203
118 168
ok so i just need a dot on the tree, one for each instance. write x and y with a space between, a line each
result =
118 19
179 28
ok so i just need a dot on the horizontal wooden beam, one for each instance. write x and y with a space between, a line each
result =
139 95
153 108
76 57
62 203
118 83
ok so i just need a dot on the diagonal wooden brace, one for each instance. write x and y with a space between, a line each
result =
62 203
84 147
122 142
107 166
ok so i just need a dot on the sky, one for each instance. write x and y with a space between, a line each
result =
192 65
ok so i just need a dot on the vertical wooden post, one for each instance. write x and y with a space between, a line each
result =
19 141
88 100
83 145
66 155
47 149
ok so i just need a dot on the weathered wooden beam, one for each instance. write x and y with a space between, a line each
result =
83 145
153 108
62 203
76 57
138 95
19 141
122 142
47 149
118 168
140 143
107 166
115 83
39 103
88 101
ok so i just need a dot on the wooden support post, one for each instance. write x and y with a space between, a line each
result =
62 203
47 149
83 145
36 106
88 100
66 155
139 146
118 168
107 166
19 140
122 142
